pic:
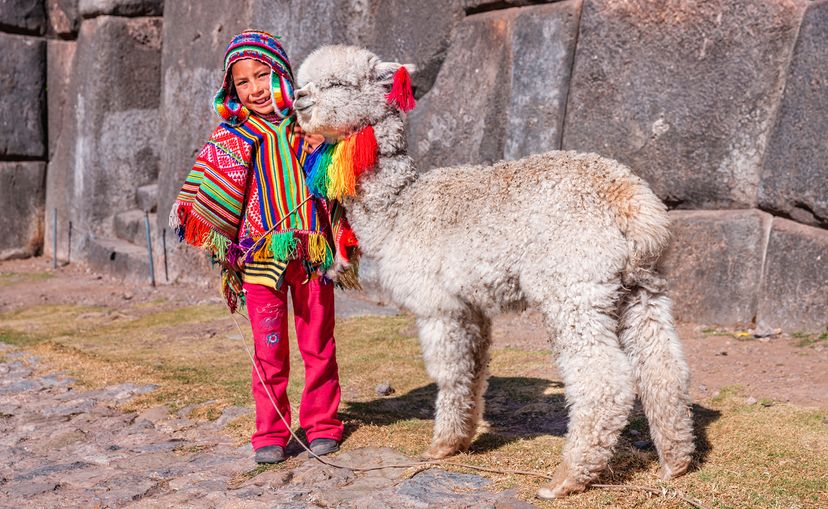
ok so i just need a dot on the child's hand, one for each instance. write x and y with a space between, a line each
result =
311 140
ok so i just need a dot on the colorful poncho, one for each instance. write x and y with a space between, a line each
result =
247 196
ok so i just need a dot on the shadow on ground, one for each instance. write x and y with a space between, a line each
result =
520 408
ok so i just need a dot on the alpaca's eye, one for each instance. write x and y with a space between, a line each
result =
336 83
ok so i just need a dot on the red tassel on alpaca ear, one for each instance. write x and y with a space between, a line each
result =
401 94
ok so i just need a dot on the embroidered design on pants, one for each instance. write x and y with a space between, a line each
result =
272 338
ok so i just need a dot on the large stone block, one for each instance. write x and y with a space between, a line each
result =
109 142
22 16
92 8
22 193
60 55
22 80
64 18
543 46
501 90
714 264
462 118
682 92
795 178
794 294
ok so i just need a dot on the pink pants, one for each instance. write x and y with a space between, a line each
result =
313 307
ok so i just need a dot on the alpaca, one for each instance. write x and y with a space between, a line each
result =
575 236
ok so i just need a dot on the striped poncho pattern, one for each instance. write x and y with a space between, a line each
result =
246 196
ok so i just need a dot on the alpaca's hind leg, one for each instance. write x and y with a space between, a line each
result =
456 351
599 387
662 376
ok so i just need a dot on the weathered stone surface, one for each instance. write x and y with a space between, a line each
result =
118 258
795 178
92 8
62 125
22 80
24 16
394 29
714 264
195 37
147 197
461 120
64 18
129 226
109 143
397 34
684 93
794 293
60 56
22 194
476 6
488 101
543 46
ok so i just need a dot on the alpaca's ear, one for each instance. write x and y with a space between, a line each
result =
397 78
384 71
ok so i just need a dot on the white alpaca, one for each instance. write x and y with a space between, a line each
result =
572 235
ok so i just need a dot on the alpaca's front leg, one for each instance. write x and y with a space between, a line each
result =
456 350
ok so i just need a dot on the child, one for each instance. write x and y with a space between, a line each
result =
247 202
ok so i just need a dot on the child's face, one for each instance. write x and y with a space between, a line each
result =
251 80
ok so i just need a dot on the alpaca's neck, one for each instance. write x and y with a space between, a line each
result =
394 172
379 190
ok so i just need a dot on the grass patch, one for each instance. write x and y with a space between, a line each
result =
806 339
749 455
15 278
17 338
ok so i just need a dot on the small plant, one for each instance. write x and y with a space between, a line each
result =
807 339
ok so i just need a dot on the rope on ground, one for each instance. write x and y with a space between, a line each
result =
664 492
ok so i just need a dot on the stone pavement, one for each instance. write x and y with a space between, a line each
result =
62 446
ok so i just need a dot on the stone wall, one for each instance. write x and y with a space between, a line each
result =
720 104
104 74
23 140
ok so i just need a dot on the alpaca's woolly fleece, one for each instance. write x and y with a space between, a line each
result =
573 235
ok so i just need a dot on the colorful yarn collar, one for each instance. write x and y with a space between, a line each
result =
334 169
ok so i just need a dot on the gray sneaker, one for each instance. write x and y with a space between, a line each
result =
323 446
270 454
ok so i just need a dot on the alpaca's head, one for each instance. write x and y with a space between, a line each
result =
341 89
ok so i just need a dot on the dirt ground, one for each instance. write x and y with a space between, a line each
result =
139 398
787 367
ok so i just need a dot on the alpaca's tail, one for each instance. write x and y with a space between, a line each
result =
662 377
643 219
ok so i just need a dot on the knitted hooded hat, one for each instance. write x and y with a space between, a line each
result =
266 49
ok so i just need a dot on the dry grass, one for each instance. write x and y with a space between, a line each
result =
750 455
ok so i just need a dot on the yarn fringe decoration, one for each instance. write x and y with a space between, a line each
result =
289 245
232 289
401 94
333 170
